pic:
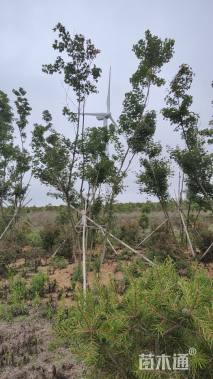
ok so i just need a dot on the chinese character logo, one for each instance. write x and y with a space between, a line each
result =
164 362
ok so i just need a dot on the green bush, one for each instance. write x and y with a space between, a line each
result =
160 312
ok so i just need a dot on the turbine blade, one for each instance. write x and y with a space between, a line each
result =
93 114
108 94
113 121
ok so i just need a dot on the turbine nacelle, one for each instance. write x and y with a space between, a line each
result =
104 116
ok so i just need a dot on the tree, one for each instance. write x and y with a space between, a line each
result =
137 124
6 147
80 74
14 158
59 162
194 160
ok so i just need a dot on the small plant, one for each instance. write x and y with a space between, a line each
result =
18 309
48 310
18 290
5 313
36 301
38 284
96 264
77 276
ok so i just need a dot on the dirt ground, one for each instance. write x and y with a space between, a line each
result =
25 352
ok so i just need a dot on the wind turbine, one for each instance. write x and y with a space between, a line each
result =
105 116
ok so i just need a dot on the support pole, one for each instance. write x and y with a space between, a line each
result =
114 237
8 225
84 222
206 252
147 237
185 228
122 243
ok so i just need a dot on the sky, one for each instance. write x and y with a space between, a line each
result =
26 39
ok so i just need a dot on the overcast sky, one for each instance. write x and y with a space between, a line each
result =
114 26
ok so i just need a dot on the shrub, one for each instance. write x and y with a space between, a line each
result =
34 238
144 221
160 312
59 262
49 236
129 230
